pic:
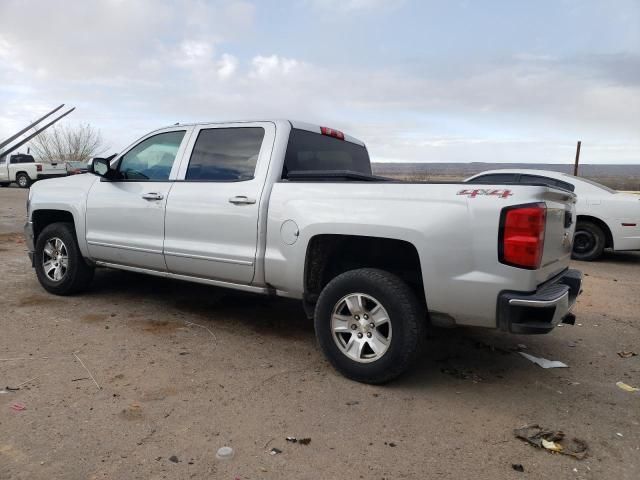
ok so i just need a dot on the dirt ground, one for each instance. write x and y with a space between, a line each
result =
185 369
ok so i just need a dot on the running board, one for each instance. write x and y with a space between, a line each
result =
187 278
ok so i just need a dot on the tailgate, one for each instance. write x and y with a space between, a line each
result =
53 169
558 238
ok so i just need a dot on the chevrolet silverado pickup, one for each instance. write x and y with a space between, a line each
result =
292 209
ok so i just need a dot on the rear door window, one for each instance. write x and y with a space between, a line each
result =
309 151
225 154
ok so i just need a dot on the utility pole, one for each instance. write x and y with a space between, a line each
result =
575 167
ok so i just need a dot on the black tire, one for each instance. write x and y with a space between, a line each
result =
4 184
23 180
588 241
407 321
78 274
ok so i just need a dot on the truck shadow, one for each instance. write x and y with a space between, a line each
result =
278 317
623 258
470 358
455 358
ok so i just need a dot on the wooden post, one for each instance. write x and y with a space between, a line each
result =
575 167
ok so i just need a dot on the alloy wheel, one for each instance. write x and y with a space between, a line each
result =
55 259
361 327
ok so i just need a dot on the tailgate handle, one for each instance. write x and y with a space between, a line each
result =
152 196
242 200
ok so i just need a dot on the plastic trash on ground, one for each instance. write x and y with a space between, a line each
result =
543 362
554 441
224 453
627 388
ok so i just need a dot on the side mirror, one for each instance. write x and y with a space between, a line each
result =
102 167
99 166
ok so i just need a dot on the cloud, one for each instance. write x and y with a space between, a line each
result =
193 52
84 40
349 6
147 64
273 65
227 66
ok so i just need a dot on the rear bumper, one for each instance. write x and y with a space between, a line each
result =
540 311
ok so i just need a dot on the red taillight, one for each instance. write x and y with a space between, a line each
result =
39 168
522 235
330 132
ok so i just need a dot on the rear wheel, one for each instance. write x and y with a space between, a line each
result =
588 241
23 180
4 184
370 325
59 265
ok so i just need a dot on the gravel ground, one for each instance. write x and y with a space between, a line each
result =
185 369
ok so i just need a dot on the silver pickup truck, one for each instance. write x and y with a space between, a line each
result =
292 209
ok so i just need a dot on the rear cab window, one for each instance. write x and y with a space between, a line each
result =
313 152
22 158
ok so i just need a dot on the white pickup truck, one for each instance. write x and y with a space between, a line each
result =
292 209
24 170
606 218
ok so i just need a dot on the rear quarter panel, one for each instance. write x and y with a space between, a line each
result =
614 210
456 238
29 168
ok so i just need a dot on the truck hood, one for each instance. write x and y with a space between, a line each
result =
74 182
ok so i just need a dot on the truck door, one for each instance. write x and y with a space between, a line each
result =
211 222
125 216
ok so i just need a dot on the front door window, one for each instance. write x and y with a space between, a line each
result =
151 159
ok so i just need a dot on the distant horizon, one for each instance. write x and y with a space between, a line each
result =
506 163
617 176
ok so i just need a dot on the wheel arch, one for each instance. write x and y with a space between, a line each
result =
44 217
22 172
329 255
603 225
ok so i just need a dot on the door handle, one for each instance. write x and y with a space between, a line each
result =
152 196
242 200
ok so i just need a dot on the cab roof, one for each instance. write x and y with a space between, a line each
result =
294 124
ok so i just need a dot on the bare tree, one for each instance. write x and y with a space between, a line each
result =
66 143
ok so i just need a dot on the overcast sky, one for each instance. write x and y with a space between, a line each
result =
416 80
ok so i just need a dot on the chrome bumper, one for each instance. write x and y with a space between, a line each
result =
542 310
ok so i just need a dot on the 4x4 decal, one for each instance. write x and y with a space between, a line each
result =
502 193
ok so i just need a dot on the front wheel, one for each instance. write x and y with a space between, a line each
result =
23 180
59 264
588 241
370 325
